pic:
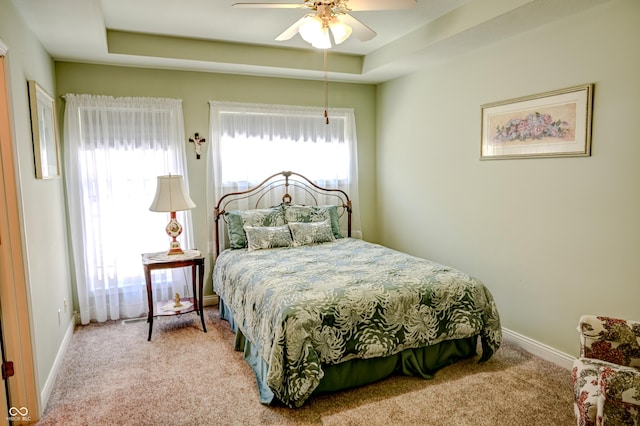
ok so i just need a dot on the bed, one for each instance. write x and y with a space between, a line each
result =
317 311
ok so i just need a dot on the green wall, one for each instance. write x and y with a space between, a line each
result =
196 89
42 207
552 238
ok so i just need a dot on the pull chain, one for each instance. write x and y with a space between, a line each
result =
326 86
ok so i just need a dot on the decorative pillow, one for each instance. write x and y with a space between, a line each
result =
237 219
306 233
307 214
237 237
265 237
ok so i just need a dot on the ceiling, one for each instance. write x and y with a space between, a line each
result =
213 36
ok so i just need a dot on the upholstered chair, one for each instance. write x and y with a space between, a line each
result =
606 376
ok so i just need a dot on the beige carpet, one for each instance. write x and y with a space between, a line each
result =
113 376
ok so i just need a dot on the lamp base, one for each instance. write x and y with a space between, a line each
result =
174 248
174 229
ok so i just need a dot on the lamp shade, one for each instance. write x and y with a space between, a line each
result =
311 30
315 30
171 195
340 31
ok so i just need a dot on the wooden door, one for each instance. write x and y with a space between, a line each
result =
22 405
4 397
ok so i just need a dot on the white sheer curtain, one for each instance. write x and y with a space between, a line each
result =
114 150
250 142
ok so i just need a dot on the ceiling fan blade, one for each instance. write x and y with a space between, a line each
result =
293 29
360 30
362 5
269 5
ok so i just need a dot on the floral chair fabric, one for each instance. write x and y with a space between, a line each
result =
606 376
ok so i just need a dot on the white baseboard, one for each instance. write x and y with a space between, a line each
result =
51 378
211 300
539 349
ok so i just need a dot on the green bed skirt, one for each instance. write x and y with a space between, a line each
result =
420 362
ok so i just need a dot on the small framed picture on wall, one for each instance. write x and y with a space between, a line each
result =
552 124
46 149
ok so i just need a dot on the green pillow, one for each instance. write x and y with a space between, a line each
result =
237 236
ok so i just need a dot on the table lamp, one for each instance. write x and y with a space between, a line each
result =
171 196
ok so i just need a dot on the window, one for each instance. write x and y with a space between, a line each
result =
114 150
253 141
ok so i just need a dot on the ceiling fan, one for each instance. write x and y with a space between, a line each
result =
330 19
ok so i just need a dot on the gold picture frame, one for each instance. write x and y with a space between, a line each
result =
46 149
551 124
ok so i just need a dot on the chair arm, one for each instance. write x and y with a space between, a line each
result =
610 339
619 399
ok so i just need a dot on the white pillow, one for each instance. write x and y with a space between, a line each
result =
307 233
264 237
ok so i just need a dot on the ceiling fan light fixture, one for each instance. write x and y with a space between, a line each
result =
318 31
322 40
340 30
311 29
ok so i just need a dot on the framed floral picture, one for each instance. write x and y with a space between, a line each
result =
46 149
552 124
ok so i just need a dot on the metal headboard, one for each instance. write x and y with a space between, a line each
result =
283 180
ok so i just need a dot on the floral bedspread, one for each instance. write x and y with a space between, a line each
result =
324 304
